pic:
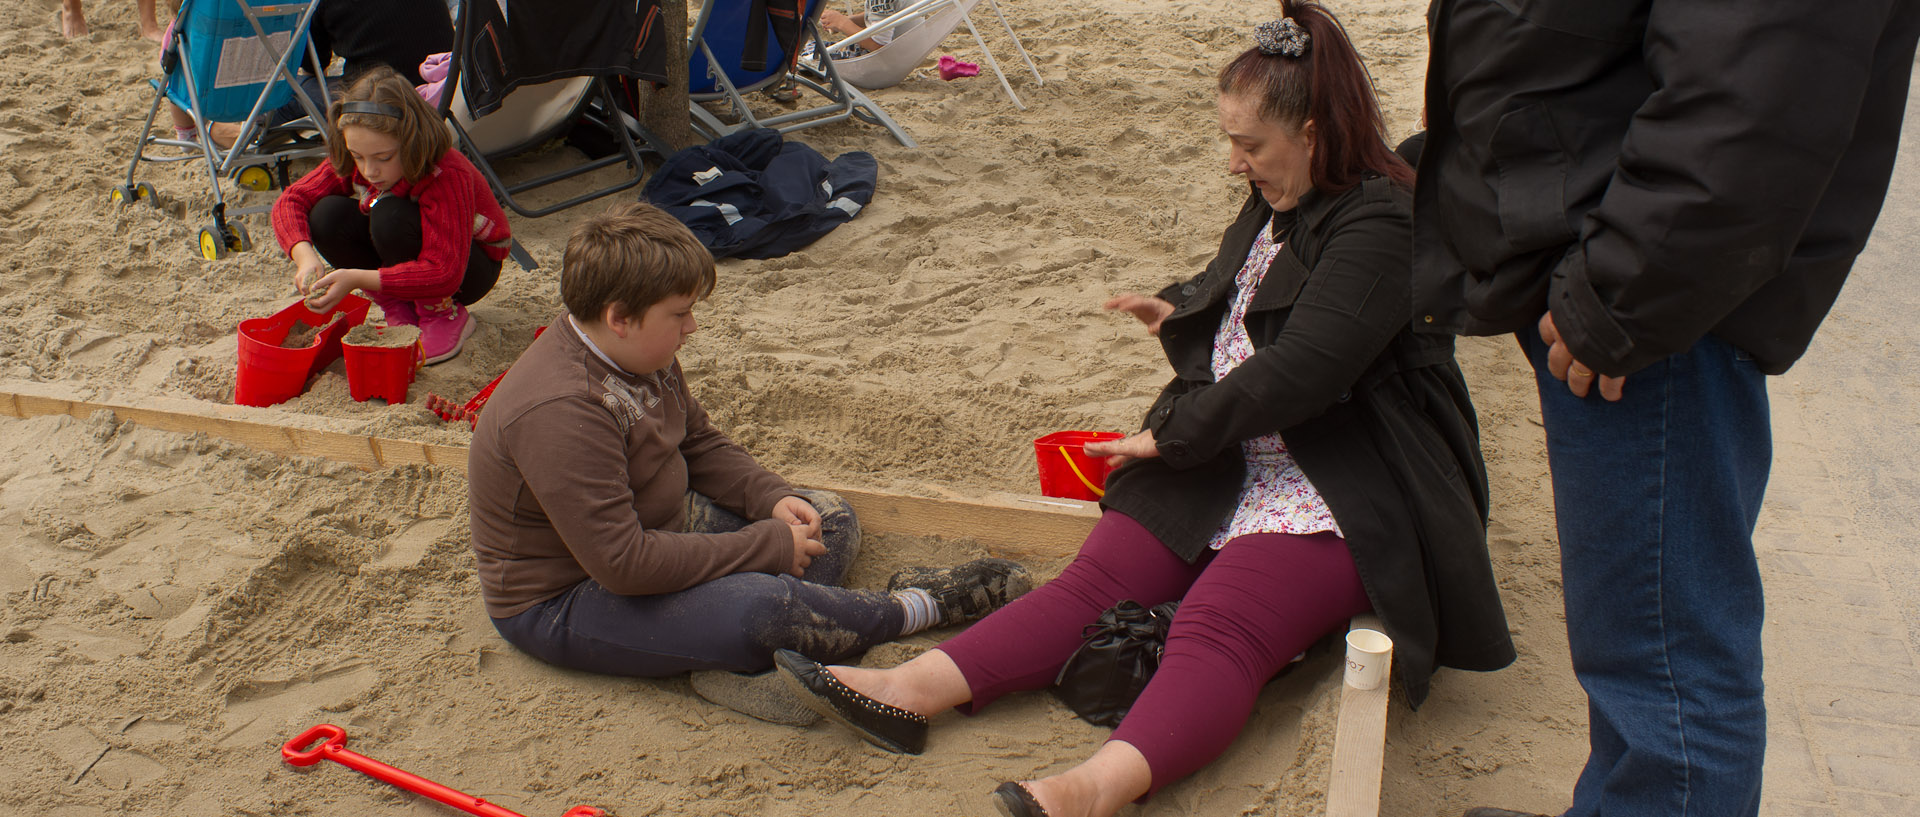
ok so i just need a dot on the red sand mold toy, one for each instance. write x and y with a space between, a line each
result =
470 410
333 746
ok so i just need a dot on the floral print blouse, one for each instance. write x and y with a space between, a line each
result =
1277 496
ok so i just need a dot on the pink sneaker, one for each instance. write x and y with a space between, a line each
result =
399 312
442 333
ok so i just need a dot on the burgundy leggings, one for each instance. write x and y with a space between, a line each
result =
1245 611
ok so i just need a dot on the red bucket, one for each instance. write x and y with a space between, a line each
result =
1066 471
379 370
269 374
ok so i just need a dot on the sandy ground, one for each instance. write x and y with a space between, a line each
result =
175 608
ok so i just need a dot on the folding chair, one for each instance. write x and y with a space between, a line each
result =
885 66
528 71
728 41
232 61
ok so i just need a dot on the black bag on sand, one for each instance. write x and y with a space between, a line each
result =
1105 675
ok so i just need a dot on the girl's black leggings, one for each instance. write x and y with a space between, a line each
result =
389 235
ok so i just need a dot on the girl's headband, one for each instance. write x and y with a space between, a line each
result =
375 108
1282 36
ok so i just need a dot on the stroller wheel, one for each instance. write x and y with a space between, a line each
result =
213 246
121 194
144 192
256 177
237 239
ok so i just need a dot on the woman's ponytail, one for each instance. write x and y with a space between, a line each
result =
1304 69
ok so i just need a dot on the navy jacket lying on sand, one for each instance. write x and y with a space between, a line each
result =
753 195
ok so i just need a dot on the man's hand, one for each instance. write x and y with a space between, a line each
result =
1150 310
1126 449
1578 376
798 511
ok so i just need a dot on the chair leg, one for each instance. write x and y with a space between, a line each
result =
865 108
991 62
1016 42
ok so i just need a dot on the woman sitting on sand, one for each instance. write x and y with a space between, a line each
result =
1312 459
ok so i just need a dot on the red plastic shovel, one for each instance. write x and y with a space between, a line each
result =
333 746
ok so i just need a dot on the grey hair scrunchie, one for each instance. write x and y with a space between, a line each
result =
1282 36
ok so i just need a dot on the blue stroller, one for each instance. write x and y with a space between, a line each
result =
234 61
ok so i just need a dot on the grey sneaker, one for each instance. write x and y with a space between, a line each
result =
761 695
967 592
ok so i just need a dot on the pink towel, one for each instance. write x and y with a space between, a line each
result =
433 69
952 69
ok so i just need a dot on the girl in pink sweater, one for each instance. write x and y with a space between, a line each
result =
398 213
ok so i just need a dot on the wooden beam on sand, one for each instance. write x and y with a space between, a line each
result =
1027 527
1359 741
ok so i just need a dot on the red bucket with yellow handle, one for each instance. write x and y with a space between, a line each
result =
1066 470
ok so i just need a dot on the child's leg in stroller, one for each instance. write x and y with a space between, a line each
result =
185 129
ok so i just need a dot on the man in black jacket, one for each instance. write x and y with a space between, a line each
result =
1663 200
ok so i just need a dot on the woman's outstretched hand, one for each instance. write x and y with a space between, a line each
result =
1150 310
1119 452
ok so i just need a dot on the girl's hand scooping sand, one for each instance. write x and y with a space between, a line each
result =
326 293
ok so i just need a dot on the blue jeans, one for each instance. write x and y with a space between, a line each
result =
1656 498
731 623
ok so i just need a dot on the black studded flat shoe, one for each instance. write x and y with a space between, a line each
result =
1013 800
888 727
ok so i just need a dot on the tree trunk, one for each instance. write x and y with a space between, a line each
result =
665 110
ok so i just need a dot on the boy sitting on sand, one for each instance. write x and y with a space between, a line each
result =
617 531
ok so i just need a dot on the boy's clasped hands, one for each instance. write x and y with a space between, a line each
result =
804 520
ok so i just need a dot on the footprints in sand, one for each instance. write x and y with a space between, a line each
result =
270 618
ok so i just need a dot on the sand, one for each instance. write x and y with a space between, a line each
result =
381 336
175 608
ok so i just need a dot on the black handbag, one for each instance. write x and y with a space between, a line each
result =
1122 650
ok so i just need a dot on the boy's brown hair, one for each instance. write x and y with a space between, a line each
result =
401 114
634 255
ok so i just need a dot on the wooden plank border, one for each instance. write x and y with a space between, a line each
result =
1017 526
1359 739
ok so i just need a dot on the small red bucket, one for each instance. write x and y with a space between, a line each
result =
1066 471
381 371
269 374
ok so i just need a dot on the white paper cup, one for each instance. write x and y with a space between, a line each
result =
1369 654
